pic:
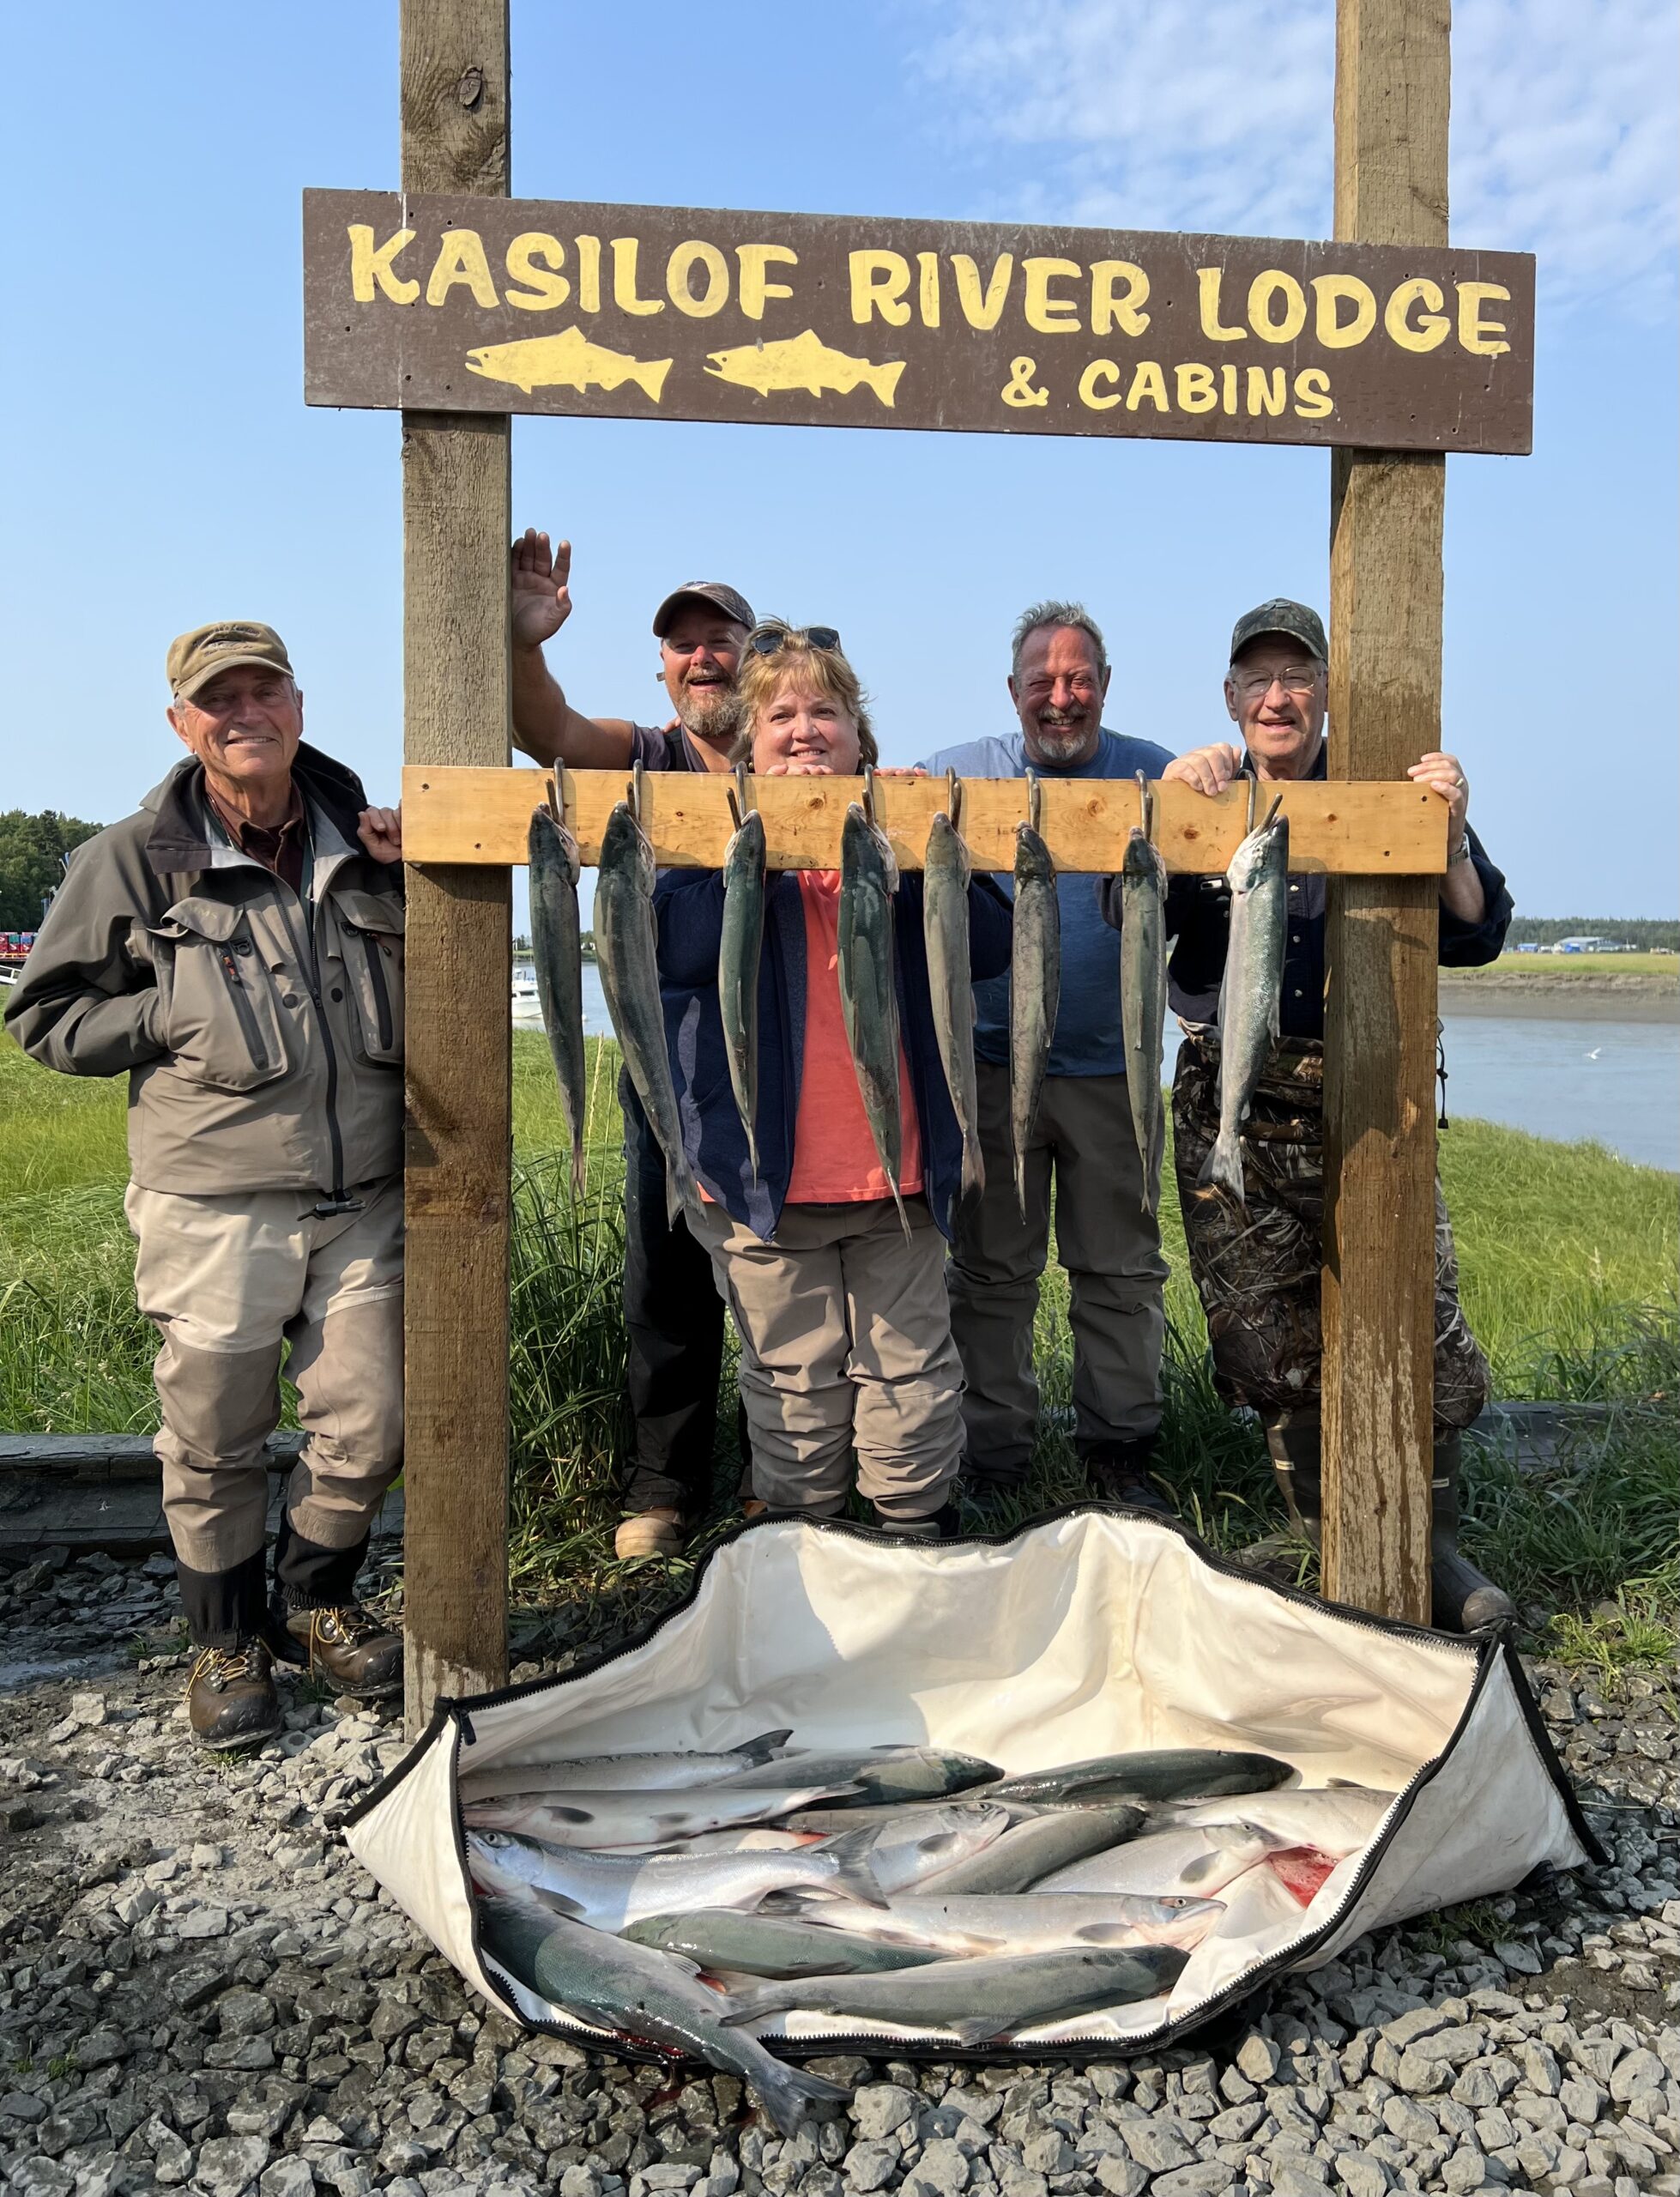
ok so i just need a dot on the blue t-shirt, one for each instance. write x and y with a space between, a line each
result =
1088 1039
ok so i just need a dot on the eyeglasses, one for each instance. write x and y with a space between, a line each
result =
1295 679
770 640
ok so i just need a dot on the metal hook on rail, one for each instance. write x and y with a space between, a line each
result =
1253 796
735 792
1035 801
869 796
1145 807
636 794
953 801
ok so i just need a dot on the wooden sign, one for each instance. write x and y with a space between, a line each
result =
456 304
484 816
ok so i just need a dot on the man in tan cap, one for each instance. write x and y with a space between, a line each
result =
235 947
673 1317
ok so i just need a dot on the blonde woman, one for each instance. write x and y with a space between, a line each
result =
846 1346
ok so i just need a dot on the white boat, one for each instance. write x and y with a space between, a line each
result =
527 1005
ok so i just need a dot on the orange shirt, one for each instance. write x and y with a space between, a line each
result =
835 1160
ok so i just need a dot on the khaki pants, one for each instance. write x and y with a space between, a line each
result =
845 1345
1109 1247
227 1280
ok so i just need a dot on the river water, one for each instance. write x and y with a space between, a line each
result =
1618 1082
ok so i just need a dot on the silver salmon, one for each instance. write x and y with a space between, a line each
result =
1030 1851
1035 1922
876 1774
627 950
777 1946
868 996
1250 989
607 1890
945 925
978 1999
653 1770
580 1818
738 968
1168 1865
1152 1774
635 1991
1336 1818
557 948
1035 990
1143 999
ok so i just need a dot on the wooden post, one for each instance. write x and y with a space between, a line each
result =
456 522
1392 90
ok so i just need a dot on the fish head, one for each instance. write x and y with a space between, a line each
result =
1262 856
625 847
1032 857
1142 858
498 362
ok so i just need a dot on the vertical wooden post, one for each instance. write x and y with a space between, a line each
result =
456 521
1392 89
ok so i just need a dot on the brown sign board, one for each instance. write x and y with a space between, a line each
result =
456 304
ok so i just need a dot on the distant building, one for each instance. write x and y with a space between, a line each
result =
1589 946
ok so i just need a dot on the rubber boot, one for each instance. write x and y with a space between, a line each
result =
1462 1599
941 1525
1292 1439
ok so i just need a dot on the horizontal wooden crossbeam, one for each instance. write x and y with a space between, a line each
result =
1341 827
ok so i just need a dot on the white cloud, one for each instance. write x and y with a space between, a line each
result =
1215 114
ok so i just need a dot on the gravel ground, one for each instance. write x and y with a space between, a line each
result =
200 1989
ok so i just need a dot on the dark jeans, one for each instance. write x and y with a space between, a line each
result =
674 1323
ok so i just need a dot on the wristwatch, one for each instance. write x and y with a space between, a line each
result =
1461 852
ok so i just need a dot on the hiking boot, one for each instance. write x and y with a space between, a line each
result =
1462 1599
992 1494
650 1533
231 1697
942 1525
348 1647
1118 1472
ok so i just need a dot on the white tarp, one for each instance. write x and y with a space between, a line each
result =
1093 1632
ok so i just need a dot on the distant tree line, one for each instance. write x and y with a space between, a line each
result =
32 860
1645 932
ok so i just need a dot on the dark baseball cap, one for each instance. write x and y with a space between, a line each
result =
1280 615
726 599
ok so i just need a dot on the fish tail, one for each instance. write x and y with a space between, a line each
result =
903 1218
649 375
1021 1183
884 380
855 1875
789 2093
1223 1164
974 1167
753 2003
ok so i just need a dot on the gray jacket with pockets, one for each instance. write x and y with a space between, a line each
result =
260 1033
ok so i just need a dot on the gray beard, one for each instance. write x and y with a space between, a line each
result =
713 716
1061 743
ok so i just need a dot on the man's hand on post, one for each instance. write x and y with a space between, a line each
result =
1210 769
380 831
541 595
1444 774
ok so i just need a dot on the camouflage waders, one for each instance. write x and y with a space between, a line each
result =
1257 1270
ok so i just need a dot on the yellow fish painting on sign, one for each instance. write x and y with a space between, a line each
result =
568 361
803 362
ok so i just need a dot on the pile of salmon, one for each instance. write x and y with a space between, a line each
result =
681 1899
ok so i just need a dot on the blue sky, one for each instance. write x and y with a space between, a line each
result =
165 469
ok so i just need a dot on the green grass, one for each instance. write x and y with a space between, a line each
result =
1575 966
1568 1256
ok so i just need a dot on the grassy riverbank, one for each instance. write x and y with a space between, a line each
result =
1569 1258
1616 973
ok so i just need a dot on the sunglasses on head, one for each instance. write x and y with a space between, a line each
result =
770 640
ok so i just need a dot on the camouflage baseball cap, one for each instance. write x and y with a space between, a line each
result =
1280 615
714 592
195 658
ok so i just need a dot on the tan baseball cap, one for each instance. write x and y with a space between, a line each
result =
195 658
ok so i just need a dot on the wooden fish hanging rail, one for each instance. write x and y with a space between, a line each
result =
1347 828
